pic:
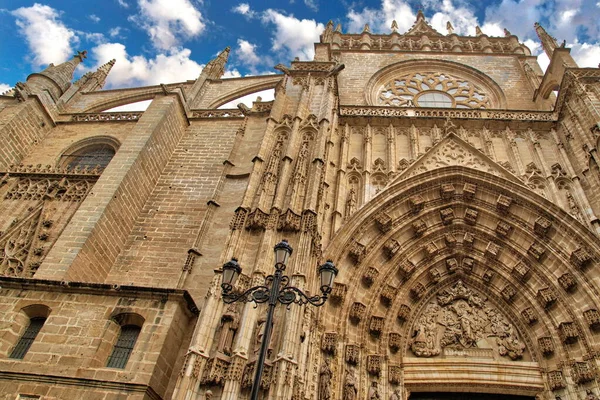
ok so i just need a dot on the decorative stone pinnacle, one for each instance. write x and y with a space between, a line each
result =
81 55
548 42
450 28
420 15
394 26
366 29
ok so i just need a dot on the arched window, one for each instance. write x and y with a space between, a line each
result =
90 153
124 346
37 315
131 326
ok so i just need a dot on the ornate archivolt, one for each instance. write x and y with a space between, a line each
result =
456 270
433 83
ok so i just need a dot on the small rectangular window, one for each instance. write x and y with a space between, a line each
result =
124 347
35 325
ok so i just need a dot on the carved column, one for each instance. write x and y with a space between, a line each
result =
489 146
286 165
540 160
391 149
413 135
367 157
340 184
514 151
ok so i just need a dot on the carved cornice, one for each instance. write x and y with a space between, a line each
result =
376 111
107 117
224 113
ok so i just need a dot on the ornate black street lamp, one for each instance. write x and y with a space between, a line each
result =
276 289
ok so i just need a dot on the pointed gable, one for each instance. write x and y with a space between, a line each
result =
421 27
454 151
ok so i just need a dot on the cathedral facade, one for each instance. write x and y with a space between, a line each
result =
454 185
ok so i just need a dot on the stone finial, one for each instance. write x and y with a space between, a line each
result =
507 32
548 42
394 26
478 31
327 35
338 28
96 80
450 28
366 29
215 68
420 15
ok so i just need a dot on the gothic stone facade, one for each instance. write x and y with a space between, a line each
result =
455 191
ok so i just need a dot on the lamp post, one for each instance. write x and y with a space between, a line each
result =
276 289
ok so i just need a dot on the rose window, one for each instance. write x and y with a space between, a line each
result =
432 89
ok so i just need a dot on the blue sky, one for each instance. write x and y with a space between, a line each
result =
161 41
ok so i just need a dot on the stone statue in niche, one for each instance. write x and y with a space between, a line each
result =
351 203
350 389
396 395
460 319
229 325
260 333
325 381
373 392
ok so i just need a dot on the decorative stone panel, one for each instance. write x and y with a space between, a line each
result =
452 265
430 249
391 247
419 227
468 264
471 216
542 226
582 372
352 354
468 239
384 222
370 275
406 268
546 345
469 190
568 332
447 215
376 325
357 251
536 251
374 364
417 291
289 221
416 203
521 271
214 371
434 275
592 318
257 220
394 341
567 281
450 239
492 250
403 313
503 204
357 312
581 258
529 315
546 297
395 374
503 229
488 275
329 342
447 191
555 380
509 292
387 294
338 293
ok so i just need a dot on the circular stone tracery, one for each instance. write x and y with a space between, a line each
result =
432 89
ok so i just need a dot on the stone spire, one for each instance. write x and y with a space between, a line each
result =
56 78
327 35
96 80
216 67
548 42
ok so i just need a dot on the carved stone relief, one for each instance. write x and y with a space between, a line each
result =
460 321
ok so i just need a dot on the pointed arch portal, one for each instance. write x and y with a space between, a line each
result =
458 280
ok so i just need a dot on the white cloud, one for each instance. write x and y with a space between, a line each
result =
168 21
312 4
244 9
293 36
49 40
123 3
463 20
94 18
4 87
114 31
246 52
586 55
380 20
128 71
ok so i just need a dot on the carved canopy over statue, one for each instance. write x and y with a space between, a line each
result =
460 319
